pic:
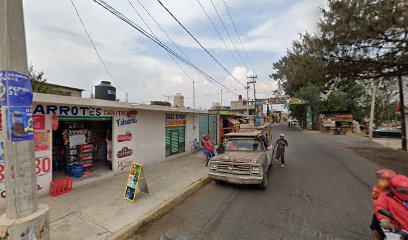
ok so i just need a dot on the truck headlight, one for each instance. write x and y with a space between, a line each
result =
255 169
213 166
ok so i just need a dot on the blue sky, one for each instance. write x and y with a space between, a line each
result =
58 45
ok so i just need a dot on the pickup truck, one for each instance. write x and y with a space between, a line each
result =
246 160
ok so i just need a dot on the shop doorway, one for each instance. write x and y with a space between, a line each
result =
82 144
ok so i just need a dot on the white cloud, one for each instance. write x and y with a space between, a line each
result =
58 45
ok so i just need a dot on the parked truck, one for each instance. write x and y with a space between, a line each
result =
247 157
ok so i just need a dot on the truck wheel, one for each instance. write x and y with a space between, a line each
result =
264 184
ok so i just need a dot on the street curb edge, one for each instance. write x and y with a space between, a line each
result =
129 230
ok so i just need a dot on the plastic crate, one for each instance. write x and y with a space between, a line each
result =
77 171
61 186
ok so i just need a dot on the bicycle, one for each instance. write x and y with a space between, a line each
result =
195 147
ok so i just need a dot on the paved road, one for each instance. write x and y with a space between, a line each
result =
324 193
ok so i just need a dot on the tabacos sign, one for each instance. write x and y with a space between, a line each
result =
124 137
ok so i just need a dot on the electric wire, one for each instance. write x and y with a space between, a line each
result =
94 47
228 34
198 42
151 31
218 32
122 17
164 31
239 37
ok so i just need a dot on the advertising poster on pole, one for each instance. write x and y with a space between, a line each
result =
18 88
136 182
20 124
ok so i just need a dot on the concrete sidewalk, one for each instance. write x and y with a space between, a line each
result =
389 142
98 210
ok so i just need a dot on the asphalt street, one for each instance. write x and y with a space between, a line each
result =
323 193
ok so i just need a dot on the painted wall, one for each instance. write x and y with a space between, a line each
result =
147 142
193 119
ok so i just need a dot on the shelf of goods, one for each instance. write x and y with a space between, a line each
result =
78 150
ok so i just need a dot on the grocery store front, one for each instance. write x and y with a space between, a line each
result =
102 138
86 142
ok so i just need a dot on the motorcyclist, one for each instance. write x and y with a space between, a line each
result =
396 202
383 186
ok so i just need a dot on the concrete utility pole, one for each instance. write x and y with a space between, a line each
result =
371 123
402 111
252 82
221 98
194 95
247 88
24 218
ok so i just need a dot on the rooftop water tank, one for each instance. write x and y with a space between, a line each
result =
178 100
105 91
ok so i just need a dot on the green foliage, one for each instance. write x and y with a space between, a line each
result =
365 39
360 43
39 82
160 103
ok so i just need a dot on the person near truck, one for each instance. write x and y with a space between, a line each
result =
209 149
280 145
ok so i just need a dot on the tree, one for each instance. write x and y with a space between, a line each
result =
160 103
302 65
39 82
365 39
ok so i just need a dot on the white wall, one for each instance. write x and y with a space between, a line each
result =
191 133
148 143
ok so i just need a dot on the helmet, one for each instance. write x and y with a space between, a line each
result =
400 187
385 173
282 135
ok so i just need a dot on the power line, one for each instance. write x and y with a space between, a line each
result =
158 42
239 37
151 31
164 31
198 42
228 34
218 32
94 47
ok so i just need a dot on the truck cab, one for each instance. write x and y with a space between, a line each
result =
247 157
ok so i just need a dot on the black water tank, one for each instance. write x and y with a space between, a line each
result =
105 91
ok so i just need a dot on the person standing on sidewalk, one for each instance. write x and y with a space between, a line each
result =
280 145
209 149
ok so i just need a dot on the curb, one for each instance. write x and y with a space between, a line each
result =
131 229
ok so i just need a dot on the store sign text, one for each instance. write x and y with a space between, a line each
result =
123 122
68 110
125 152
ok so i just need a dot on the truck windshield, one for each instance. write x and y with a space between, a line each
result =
243 145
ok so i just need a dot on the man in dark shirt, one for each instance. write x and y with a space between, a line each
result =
280 145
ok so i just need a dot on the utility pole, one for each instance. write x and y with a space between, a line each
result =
253 77
24 216
371 123
247 88
221 98
402 111
194 95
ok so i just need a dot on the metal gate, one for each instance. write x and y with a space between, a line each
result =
208 125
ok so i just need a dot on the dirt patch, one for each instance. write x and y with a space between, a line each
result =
384 156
